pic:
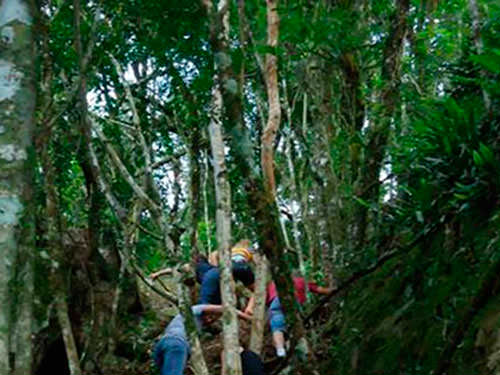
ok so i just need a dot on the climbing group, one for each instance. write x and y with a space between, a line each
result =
172 350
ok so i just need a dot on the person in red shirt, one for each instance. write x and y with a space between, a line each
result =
299 285
275 312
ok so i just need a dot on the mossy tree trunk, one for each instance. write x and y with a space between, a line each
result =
17 102
232 363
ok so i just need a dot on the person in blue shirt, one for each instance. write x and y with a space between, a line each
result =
210 288
208 272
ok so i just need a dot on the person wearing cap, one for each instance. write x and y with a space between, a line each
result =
241 255
242 251
171 352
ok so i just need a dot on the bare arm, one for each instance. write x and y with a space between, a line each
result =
243 315
157 274
323 290
219 309
250 305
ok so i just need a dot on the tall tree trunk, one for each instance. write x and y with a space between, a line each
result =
232 362
274 117
293 185
379 132
17 102
91 183
264 211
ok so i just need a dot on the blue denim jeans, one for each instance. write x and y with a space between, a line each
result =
171 354
276 316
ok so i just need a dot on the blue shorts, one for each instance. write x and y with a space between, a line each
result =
276 316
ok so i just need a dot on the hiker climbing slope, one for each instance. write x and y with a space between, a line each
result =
172 351
275 312
209 275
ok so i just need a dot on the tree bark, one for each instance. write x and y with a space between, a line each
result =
259 314
264 211
232 362
67 333
197 358
378 134
17 102
478 43
274 118
293 186
205 204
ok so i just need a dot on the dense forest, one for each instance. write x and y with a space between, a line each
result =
355 143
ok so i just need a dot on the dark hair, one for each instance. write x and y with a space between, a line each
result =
199 258
242 272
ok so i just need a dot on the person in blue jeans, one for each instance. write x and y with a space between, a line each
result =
171 352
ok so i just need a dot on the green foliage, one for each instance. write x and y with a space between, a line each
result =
437 140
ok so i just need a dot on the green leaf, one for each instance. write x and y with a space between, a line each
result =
447 145
478 160
486 153
489 61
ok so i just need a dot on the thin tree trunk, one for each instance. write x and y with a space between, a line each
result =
67 333
115 205
478 43
259 313
379 133
94 222
17 102
131 235
293 185
138 190
232 362
264 211
205 205
197 358
195 182
274 117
